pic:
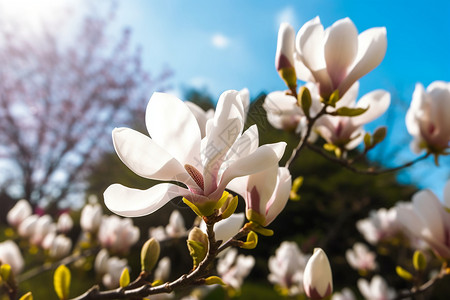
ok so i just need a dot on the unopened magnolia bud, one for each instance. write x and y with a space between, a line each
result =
317 278
304 99
229 207
149 254
284 57
198 245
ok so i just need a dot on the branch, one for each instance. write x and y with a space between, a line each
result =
421 289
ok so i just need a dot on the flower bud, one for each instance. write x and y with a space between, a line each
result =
284 57
18 213
91 217
65 223
317 279
198 245
149 254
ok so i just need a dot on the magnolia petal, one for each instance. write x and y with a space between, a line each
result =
173 127
226 228
372 45
282 110
284 57
447 194
225 129
341 47
244 96
417 103
247 143
427 207
262 158
303 73
349 98
239 186
128 202
409 219
377 103
200 115
280 195
144 157
439 92
264 182
310 44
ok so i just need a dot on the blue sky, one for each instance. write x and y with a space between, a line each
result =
230 44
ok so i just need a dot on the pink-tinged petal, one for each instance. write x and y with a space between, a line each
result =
417 104
262 158
310 44
447 194
409 219
439 92
128 202
282 110
284 57
144 157
239 186
372 45
341 47
303 73
264 183
247 143
357 138
428 207
280 195
173 127
377 101
226 128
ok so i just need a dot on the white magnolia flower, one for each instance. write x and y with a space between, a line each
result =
117 234
377 289
176 227
348 132
226 228
65 223
42 227
345 294
317 278
337 57
60 246
361 258
428 220
427 119
162 270
115 267
19 212
381 225
26 227
159 233
91 217
287 267
176 152
284 57
234 268
265 193
10 254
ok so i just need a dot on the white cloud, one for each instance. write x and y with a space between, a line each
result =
220 41
287 14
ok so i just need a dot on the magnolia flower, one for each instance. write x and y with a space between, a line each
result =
234 268
337 57
117 234
348 132
284 57
162 271
361 258
427 119
91 217
376 290
110 268
159 233
19 212
265 193
41 228
345 294
317 279
428 220
60 246
176 227
26 227
287 267
381 225
10 254
225 229
65 223
176 152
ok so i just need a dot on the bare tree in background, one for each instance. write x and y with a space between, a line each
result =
60 96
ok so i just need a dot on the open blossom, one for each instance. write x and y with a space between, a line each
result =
377 289
337 57
265 193
117 234
176 227
10 254
91 217
176 152
43 226
345 294
234 268
65 223
361 258
19 212
348 132
60 246
428 220
317 279
110 268
381 225
287 267
427 119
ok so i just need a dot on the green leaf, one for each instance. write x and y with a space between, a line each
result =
379 135
214 280
403 273
150 254
5 271
197 251
230 207
334 98
27 296
61 282
349 112
419 261
367 141
124 278
304 100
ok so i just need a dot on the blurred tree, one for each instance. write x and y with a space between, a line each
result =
62 89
